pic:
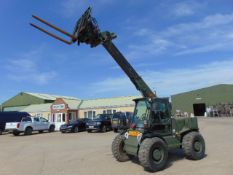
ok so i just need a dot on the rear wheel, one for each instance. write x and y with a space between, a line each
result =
153 154
115 129
193 145
117 149
28 131
16 133
51 128
41 131
0 132
89 131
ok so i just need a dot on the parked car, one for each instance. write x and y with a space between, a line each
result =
10 117
29 124
121 121
74 126
102 122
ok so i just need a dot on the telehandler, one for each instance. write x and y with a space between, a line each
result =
153 131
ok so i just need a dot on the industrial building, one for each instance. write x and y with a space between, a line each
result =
63 109
205 100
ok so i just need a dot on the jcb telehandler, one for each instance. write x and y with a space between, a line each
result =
154 131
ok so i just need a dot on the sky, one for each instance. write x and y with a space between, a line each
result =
175 46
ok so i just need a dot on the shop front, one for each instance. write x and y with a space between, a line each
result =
63 111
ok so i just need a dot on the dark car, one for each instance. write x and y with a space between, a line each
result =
74 126
102 122
121 121
6 117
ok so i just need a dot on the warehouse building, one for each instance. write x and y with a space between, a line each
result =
63 109
201 102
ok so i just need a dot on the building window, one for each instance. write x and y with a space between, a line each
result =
104 111
114 111
90 114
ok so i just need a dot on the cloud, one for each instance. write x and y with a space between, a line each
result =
27 68
171 81
184 9
212 33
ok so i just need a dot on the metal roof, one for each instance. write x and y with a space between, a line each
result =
50 97
72 104
108 102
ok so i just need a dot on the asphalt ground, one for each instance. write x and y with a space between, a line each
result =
90 154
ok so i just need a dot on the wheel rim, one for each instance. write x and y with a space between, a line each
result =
76 129
198 146
158 155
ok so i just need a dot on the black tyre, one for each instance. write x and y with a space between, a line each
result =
89 131
153 154
16 133
115 130
41 131
51 128
104 128
28 131
117 149
193 145
0 132
75 129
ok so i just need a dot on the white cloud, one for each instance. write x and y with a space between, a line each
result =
212 33
26 68
184 9
172 81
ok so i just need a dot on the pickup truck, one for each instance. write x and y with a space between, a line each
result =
29 124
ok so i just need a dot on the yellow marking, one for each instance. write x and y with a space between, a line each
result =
134 133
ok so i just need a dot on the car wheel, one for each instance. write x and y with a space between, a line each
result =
153 154
51 128
28 131
104 129
89 131
117 149
193 145
115 129
76 129
0 132
41 131
16 133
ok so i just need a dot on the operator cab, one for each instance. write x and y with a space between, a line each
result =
152 114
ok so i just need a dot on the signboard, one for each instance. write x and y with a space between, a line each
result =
58 106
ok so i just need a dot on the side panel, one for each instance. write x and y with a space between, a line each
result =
131 145
172 142
180 125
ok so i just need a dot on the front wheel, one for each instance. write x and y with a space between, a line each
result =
104 128
193 145
153 154
117 149
75 129
51 128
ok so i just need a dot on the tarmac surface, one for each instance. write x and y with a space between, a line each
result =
90 154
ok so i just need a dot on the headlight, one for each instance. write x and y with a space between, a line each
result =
98 123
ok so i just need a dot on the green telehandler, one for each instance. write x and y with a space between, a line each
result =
153 131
